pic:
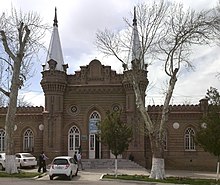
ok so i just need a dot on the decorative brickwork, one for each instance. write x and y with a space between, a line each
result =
73 104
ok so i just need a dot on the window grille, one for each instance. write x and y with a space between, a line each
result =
189 139
2 140
74 139
28 141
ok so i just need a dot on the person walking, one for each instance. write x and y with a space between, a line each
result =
79 159
42 162
75 157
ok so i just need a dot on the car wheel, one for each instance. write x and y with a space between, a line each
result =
70 176
76 172
51 177
1 167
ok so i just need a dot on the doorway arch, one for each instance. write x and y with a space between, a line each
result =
94 144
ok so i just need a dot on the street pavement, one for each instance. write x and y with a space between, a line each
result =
96 174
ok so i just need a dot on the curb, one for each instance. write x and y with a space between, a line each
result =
40 176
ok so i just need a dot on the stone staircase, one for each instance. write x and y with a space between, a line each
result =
110 164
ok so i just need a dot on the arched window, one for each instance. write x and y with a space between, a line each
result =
28 140
189 139
74 139
2 140
93 121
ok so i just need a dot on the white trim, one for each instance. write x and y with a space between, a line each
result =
73 140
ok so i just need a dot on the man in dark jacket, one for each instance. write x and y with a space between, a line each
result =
75 156
42 162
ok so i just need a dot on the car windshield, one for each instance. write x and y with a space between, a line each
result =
60 161
27 155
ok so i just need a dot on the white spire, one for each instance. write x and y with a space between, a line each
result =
55 50
136 45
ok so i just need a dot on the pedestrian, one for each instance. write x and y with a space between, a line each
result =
42 162
79 159
75 157
80 149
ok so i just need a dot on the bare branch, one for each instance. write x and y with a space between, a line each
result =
6 93
168 32
5 44
7 62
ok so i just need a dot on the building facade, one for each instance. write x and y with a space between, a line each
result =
74 103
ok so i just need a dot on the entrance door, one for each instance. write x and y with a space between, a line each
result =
94 144
97 147
94 147
73 140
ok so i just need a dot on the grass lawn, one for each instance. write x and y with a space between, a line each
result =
175 180
21 174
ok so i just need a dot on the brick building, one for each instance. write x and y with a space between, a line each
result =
74 103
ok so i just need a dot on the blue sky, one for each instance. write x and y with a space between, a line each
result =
79 20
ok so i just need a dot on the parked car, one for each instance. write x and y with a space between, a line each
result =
26 160
63 166
2 161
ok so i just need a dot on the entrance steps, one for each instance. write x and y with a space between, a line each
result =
110 164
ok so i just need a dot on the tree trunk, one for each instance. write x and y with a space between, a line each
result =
11 166
158 166
156 138
217 173
10 120
217 170
22 42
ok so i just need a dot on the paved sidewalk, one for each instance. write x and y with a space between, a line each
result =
96 174
169 173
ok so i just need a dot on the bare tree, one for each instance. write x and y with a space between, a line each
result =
167 33
20 35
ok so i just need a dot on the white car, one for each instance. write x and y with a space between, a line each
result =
63 166
2 161
26 160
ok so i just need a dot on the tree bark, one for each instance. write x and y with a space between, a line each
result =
158 166
10 120
11 166
217 169
217 172
157 169
156 132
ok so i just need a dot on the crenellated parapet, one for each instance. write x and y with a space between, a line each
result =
53 81
24 110
139 75
179 108
95 73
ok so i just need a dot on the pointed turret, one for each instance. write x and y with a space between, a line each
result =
55 55
136 46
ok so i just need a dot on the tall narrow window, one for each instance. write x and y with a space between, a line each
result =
2 140
28 141
189 139
94 144
93 121
74 139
